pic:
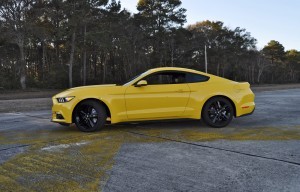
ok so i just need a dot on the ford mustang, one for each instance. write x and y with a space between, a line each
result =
157 94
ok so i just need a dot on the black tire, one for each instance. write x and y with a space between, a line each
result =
90 116
217 112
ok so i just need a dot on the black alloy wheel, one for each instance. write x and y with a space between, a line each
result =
217 112
90 116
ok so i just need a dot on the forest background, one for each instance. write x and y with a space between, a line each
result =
55 44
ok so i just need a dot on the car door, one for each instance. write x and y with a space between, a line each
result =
165 96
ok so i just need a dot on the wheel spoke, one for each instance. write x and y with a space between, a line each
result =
214 105
90 123
93 113
215 119
90 109
224 108
93 116
224 116
80 120
83 114
212 110
219 105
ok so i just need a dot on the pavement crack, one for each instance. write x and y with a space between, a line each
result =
215 148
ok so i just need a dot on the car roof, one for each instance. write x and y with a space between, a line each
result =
177 69
161 69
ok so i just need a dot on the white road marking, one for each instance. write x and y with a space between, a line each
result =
62 146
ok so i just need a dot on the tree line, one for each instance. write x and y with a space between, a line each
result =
67 43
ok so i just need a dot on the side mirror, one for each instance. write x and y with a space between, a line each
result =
141 83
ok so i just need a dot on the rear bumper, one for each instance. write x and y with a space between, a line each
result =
247 108
246 103
246 114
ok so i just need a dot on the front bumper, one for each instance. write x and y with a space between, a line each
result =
62 112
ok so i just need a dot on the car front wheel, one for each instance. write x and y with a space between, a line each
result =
90 116
217 112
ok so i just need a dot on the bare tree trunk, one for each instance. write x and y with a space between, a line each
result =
235 69
84 56
262 65
104 69
72 60
172 51
43 60
218 69
252 73
95 60
260 71
172 57
223 70
22 64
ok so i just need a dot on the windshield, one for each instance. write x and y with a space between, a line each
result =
133 79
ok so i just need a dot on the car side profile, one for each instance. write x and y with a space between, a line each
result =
157 94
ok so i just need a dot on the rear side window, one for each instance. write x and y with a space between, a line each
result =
195 78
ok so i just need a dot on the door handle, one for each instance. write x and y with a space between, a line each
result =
180 90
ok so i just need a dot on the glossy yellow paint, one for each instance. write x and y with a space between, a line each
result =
153 102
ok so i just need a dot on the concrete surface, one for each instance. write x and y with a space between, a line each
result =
179 167
255 153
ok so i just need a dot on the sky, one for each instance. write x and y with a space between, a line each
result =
266 20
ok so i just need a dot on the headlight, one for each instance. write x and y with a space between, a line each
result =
64 99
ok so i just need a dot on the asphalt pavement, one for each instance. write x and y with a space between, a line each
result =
260 152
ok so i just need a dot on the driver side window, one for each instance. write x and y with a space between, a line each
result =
165 78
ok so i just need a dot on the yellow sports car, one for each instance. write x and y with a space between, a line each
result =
161 93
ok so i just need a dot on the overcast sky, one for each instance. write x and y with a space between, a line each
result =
266 19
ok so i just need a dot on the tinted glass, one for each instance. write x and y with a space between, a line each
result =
166 78
195 78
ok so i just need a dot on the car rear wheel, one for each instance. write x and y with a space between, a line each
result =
217 112
90 116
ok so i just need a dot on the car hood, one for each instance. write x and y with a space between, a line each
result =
85 89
